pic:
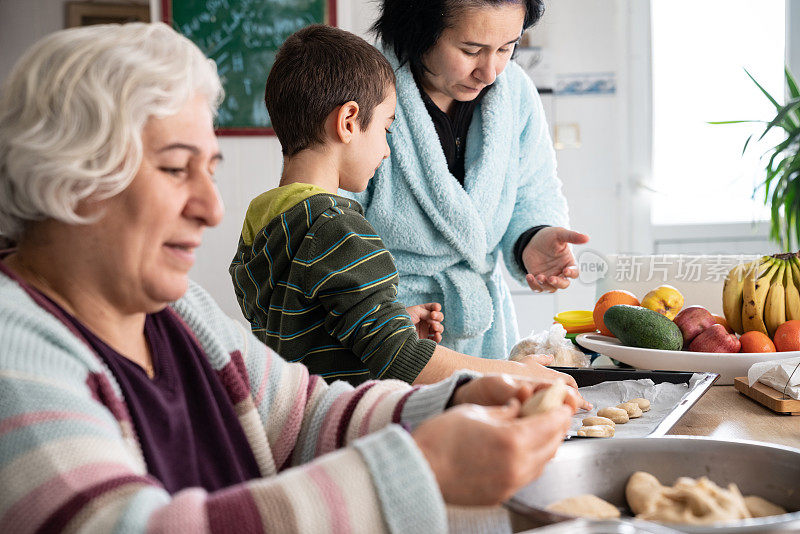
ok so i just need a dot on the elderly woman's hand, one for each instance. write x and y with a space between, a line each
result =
483 455
499 389
549 260
540 372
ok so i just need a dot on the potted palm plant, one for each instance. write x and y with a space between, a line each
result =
782 181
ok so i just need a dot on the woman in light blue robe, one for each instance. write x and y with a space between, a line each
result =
472 177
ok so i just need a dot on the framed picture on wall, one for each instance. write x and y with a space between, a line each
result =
242 37
88 13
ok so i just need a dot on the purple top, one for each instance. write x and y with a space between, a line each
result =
187 426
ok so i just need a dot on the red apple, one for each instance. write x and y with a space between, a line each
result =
724 322
715 339
692 320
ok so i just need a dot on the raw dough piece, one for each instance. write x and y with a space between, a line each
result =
585 506
644 404
596 431
632 408
694 502
594 420
618 415
545 399
642 488
759 507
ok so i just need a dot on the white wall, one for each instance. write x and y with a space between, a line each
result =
585 36
22 22
580 35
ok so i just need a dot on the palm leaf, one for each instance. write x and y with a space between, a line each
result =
786 143
794 92
783 118
782 172
744 148
774 102
792 213
775 207
731 122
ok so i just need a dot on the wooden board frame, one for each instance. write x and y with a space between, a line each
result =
87 13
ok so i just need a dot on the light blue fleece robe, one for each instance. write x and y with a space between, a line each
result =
446 239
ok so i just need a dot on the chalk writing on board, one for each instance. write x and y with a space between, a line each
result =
242 37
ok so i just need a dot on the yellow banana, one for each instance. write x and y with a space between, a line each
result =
732 295
754 295
775 305
792 293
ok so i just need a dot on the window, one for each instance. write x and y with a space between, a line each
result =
699 52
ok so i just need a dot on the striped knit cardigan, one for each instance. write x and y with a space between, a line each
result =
331 459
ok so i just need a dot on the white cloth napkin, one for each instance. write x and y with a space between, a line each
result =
776 373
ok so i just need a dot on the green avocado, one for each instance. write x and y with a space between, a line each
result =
636 326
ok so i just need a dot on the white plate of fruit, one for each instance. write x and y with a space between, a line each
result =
728 365
761 302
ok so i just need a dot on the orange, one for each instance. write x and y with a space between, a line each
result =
721 320
755 341
612 298
787 336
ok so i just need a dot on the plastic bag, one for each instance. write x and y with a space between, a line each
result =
553 342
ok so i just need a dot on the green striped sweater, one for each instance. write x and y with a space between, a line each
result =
318 286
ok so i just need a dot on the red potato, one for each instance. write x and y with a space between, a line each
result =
715 339
692 320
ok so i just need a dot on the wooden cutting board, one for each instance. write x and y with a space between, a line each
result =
771 398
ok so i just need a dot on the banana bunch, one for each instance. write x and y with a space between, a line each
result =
763 294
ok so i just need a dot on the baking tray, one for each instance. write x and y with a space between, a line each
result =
589 376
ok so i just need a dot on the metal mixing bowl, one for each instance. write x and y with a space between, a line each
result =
602 467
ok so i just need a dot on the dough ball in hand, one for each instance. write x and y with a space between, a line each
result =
585 506
545 399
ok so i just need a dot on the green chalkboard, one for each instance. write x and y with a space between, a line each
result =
242 37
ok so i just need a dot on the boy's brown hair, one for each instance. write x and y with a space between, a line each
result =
317 69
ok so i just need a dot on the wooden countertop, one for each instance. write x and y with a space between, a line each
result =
724 413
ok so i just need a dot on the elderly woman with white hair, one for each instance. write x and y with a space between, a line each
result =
128 400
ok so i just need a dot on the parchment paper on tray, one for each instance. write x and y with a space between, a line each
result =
663 397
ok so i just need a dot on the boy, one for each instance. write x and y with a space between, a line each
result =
310 274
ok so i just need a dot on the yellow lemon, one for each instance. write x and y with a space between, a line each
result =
665 300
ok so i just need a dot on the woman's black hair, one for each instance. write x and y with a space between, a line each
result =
410 28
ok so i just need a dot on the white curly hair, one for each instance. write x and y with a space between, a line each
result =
73 109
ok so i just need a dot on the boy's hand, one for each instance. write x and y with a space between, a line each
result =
428 320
